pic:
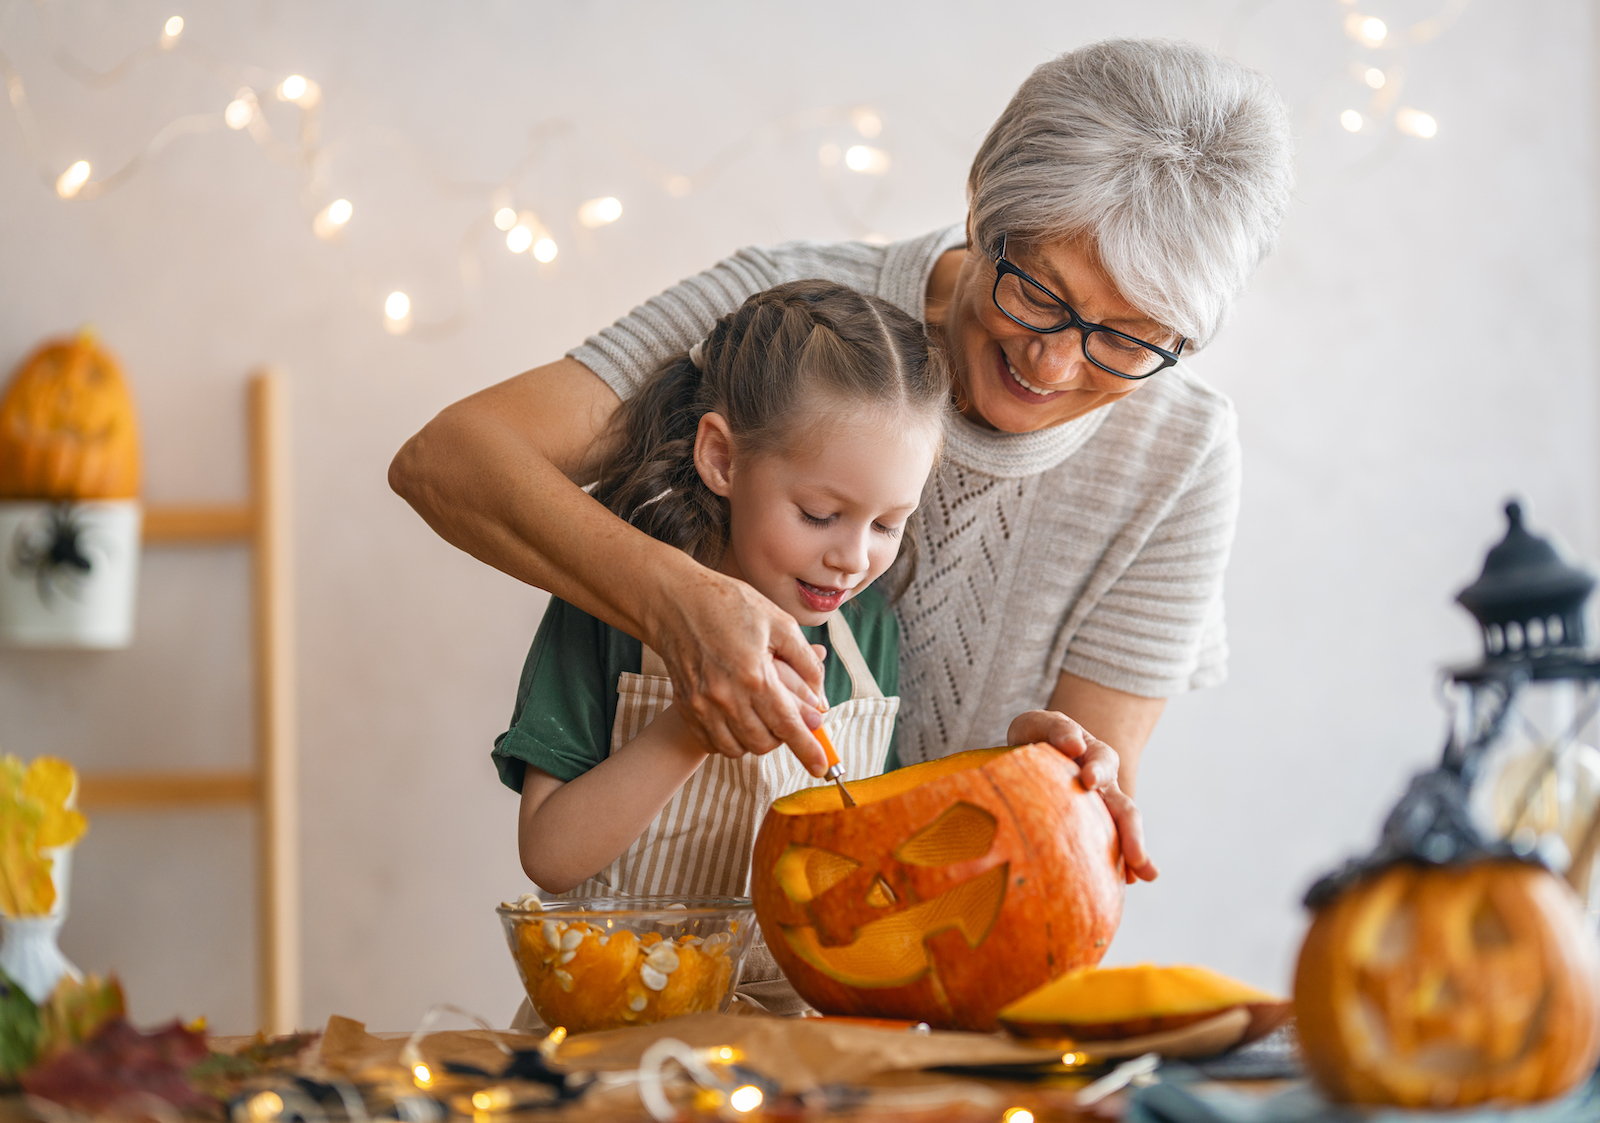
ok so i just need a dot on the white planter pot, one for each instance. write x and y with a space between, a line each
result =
68 572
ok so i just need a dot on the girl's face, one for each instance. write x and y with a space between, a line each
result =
812 527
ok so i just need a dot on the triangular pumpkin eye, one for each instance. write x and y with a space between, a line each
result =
961 833
880 896
807 872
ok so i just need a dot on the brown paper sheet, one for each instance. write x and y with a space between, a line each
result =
347 1047
800 1053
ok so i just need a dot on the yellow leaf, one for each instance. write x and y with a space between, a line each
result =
25 885
50 781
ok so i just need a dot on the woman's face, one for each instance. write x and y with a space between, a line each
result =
1017 380
811 528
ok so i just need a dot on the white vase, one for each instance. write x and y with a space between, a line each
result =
68 572
29 953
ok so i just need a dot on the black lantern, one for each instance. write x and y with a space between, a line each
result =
1524 726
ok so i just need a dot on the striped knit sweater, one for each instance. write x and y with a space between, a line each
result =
1095 547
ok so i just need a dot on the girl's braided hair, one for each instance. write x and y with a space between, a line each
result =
757 369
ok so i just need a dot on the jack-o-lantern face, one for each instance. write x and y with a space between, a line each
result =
952 888
1449 987
67 426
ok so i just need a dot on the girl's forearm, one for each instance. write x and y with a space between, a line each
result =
569 832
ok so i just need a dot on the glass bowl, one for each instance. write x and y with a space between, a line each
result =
604 963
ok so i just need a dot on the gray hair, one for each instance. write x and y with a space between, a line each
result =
1173 160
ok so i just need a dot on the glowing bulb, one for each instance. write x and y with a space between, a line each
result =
1374 29
505 218
1414 122
424 1077
73 179
1351 120
265 1105
241 110
519 239
301 90
397 319
868 161
1368 29
748 1097
483 1101
1374 77
331 218
1070 1058
599 212
867 123
544 249
828 155
725 1053
172 29
1017 1115
679 185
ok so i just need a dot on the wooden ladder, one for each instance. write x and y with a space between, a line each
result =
263 525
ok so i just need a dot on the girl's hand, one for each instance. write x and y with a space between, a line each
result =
1097 772
723 644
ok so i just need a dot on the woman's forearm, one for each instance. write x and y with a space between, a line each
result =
569 832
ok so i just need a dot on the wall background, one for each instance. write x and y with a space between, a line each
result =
1418 349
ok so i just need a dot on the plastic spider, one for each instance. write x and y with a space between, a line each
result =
51 551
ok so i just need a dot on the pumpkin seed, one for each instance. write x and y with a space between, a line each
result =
564 978
571 939
637 1003
551 935
651 978
567 957
663 959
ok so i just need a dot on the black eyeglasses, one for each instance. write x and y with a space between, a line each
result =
1027 302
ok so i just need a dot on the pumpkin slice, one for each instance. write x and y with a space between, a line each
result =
1110 1003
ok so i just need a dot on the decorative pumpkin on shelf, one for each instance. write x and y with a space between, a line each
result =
69 513
950 889
1445 969
67 426
1115 1003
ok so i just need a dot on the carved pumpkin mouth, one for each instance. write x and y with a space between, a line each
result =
893 952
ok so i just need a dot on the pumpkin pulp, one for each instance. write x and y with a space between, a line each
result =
1100 1003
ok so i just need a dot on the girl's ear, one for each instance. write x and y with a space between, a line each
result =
713 453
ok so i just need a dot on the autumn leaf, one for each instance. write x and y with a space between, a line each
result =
49 782
25 885
75 1011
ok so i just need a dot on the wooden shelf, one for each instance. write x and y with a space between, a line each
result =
100 791
270 788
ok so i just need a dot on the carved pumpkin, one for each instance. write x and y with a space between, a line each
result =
951 888
67 426
1449 986
1106 1003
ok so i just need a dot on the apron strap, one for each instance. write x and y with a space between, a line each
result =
652 665
862 684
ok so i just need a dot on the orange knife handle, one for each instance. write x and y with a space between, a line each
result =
827 746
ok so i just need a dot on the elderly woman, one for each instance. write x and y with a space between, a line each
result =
1074 538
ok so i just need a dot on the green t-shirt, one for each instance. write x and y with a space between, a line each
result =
567 699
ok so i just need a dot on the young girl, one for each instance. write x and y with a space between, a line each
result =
788 449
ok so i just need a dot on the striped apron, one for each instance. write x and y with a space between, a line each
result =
700 842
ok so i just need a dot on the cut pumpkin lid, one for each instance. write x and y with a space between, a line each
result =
1098 995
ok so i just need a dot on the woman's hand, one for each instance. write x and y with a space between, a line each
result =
743 675
1097 771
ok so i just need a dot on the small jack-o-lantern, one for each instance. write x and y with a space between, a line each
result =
1446 971
952 888
67 426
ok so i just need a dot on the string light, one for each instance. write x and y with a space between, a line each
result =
73 179
867 123
332 218
600 212
1017 1115
301 90
519 239
1370 30
505 218
545 249
397 318
423 1076
1351 120
1414 122
264 1105
241 110
1374 77
748 1097
171 30
868 161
